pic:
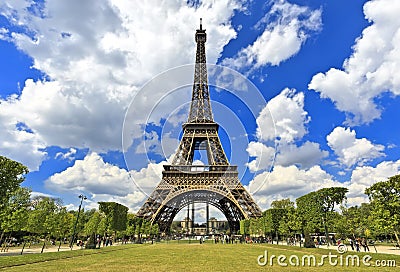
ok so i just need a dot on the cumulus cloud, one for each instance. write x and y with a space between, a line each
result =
303 156
285 28
289 182
95 60
264 156
283 117
292 182
282 123
106 182
365 176
16 142
350 150
372 68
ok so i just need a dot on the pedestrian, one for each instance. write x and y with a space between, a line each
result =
316 241
351 243
357 244
364 244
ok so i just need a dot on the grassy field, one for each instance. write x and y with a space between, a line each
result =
182 257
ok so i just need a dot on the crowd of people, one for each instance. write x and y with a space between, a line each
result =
356 244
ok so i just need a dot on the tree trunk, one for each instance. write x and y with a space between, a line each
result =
1 239
23 247
397 237
44 244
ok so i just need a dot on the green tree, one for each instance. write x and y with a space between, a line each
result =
354 221
288 221
116 215
43 218
385 200
16 212
291 223
315 210
12 174
245 227
285 204
273 219
65 223
92 228
92 225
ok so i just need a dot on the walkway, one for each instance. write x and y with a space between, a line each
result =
12 251
379 249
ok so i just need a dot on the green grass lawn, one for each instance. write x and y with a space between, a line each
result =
180 257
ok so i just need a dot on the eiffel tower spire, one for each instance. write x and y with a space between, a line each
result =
200 108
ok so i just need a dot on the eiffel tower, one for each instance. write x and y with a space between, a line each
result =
183 183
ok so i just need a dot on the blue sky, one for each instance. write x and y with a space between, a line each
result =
93 94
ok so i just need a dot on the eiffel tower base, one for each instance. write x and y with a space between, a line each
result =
218 186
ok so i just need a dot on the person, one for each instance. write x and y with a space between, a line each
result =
351 243
357 244
316 241
364 244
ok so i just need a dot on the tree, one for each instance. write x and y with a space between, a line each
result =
354 220
285 204
65 223
11 176
288 221
16 212
245 227
256 227
92 226
116 215
273 219
385 201
327 199
315 209
43 217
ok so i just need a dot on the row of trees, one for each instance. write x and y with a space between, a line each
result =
324 211
47 218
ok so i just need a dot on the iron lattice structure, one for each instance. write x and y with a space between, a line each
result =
182 182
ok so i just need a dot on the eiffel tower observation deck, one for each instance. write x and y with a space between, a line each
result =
184 184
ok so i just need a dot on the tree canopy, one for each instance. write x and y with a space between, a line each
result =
116 215
385 201
11 176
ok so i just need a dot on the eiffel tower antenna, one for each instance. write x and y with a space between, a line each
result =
184 184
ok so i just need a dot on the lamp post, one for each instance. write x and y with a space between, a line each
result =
82 197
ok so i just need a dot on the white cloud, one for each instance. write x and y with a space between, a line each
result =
283 122
283 117
289 182
365 176
372 68
69 155
304 156
350 150
20 143
264 156
286 27
96 59
292 182
102 181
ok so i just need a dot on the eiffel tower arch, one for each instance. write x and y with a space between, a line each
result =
183 183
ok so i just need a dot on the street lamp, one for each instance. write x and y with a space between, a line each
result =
82 197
